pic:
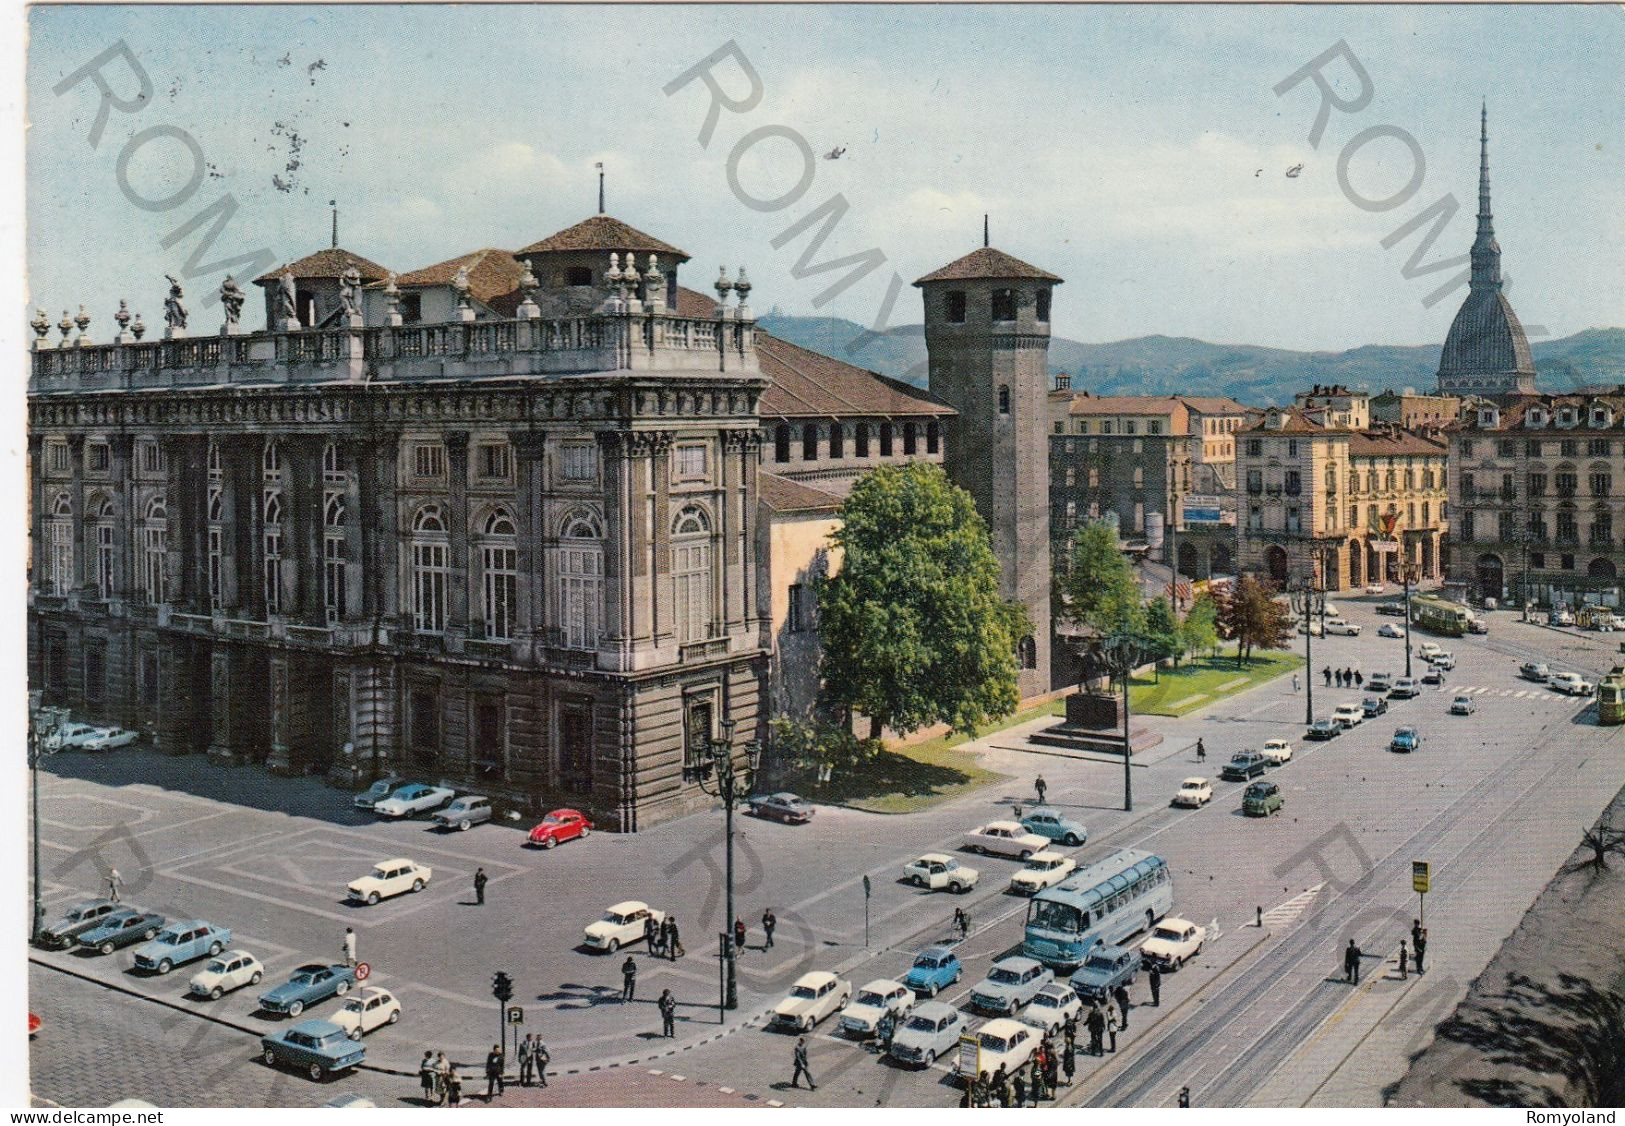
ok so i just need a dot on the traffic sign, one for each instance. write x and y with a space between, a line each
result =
516 1015
1421 876
362 971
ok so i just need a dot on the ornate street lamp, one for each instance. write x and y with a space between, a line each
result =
729 781
1120 653
1306 601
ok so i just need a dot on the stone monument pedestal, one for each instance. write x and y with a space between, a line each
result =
1094 722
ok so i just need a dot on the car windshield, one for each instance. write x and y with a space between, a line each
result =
921 1024
303 977
928 962
1191 786
1038 865
869 997
612 917
217 967
1046 1001
354 1006
804 992
170 938
1055 916
993 1043
552 820
1000 973
1166 933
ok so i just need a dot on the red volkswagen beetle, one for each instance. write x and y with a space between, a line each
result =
559 826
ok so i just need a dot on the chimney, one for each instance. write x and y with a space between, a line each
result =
1063 381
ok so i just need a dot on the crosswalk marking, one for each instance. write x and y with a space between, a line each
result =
1283 915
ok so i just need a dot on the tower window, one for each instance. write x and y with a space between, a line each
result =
933 436
1004 398
781 443
809 442
578 275
1004 304
910 439
956 306
837 434
885 439
1043 306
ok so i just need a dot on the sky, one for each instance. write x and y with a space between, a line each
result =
1142 153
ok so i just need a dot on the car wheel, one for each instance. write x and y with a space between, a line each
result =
149 934
254 979
550 842
417 885
296 1008
215 948
1025 853
394 1016
354 1034
1150 920
930 1057
464 825
216 993
165 966
614 945
1071 839
372 898
344 987
316 1072
585 832
931 990
841 1004
806 1024
919 881
269 1057
961 889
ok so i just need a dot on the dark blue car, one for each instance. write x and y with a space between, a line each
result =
320 1047
935 968
308 985
1104 970
123 927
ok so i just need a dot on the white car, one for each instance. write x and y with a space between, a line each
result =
1349 715
936 871
1042 870
1277 751
1312 627
1049 1010
1001 1042
1571 683
1194 792
108 738
412 798
621 924
1428 650
1562 617
231 969
1391 629
390 877
1342 628
813 997
1444 659
1331 611
875 1000
933 1029
1005 838
1173 943
71 735
368 1008
1375 588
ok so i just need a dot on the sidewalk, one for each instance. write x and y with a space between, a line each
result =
621 1087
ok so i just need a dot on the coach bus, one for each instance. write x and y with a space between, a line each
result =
1106 901
1437 615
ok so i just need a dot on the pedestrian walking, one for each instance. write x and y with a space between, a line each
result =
1403 960
1359 678
674 945
885 1029
428 1077
1419 944
1184 1098
454 1087
540 1057
1120 995
442 1076
1153 978
739 934
114 883
651 934
1327 673
1069 1063
349 947
1052 1071
527 1068
801 1066
1351 963
1416 931
1111 1026
1201 751
1294 682
961 923
769 922
1019 1082
1000 1084
668 1013
1097 1030
480 880
629 979
494 1064
1070 1031
1039 788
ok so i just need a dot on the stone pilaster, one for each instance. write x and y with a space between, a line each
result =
457 584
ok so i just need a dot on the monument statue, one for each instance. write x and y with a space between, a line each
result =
174 308
286 310
232 297
350 290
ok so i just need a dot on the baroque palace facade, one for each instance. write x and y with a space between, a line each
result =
506 520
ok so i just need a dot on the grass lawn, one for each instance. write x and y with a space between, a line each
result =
1196 684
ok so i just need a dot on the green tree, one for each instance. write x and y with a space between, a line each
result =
914 629
807 744
1097 585
1162 631
1252 618
1199 632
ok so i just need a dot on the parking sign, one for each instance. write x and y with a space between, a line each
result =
516 1015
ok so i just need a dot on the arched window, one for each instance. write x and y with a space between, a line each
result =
860 439
781 442
809 442
429 569
271 461
911 438
332 467
837 440
691 574
580 567
272 539
106 547
215 471
154 535
217 540
60 539
499 564
933 436
335 571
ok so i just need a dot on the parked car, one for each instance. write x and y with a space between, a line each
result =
1276 751
937 871
1050 1007
1173 943
1104 970
1042 870
1433 676
935 968
1373 706
1378 682
109 738
1405 740
1312 627
1392 609
785 807
621 925
229 971
1477 625
464 813
1349 715
1004 838
1055 826
1404 688
1443 659
862 1017
1463 705
1535 671
1428 650
179 943
1010 984
307 985
1262 799
933 1029
390 877
319 1047
1342 628
813 997
370 1008
80 918
414 797
1390 629
124 927
378 791
1375 588
999 1043
1244 765
1571 684
1194 793
70 736
1324 729
559 826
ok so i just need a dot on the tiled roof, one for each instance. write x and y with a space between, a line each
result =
985 262
1513 410
492 274
1124 404
1388 443
1293 421
1213 404
784 495
329 263
606 233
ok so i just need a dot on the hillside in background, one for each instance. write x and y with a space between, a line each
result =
1250 373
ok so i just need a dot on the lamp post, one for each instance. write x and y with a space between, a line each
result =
1302 599
1408 572
727 784
35 738
1120 653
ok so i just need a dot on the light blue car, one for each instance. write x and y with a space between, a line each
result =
308 985
179 943
1049 823
935 968
319 1047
